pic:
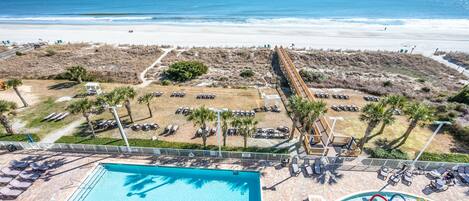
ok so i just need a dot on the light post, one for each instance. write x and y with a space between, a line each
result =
440 124
121 129
219 133
334 120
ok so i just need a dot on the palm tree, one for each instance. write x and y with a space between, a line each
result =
146 99
297 106
127 94
419 114
394 102
200 117
83 106
372 114
76 73
314 110
6 107
225 117
15 83
248 128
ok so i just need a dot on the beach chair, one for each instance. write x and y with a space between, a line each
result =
62 116
407 178
18 164
437 173
10 172
308 169
29 175
384 172
5 179
295 169
9 193
48 116
174 129
394 179
39 167
317 167
53 117
20 184
463 173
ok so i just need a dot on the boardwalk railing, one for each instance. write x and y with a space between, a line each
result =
148 151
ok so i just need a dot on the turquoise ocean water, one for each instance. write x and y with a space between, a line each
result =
227 11
119 182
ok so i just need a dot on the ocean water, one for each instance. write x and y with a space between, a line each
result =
120 182
386 12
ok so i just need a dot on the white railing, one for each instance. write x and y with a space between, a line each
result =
109 149
374 164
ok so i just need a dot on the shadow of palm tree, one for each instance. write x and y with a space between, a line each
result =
62 85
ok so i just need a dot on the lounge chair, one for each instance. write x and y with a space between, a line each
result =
37 167
5 179
174 128
53 117
9 193
317 167
463 172
439 185
407 178
384 172
394 178
437 173
20 184
295 169
10 172
61 117
19 164
29 175
48 116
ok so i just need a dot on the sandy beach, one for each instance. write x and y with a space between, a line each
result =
425 36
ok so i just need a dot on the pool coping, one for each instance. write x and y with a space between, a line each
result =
400 192
88 174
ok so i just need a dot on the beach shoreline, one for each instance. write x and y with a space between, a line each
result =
423 39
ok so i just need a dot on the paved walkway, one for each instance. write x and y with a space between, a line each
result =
449 64
278 183
145 81
54 136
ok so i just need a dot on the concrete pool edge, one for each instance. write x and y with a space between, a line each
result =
91 173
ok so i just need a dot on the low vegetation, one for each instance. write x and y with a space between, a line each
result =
380 152
312 75
185 70
246 73
160 144
18 137
443 157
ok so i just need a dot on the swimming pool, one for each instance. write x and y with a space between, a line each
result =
389 196
143 182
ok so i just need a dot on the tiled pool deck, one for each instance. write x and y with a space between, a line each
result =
58 184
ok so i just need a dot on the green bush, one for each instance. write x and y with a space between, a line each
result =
462 96
380 152
452 157
185 70
18 53
50 52
312 76
460 133
426 89
166 82
160 144
18 137
246 73
387 83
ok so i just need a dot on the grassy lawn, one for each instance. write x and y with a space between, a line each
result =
160 144
34 115
18 137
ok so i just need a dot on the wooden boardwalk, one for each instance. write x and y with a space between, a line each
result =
321 127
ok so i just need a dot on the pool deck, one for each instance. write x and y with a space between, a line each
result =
59 183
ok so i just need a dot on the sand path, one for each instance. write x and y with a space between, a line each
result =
55 135
145 81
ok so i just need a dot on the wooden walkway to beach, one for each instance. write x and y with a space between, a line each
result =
321 127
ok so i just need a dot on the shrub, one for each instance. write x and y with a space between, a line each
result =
426 89
18 137
452 157
18 53
76 73
387 83
50 52
460 133
246 73
185 70
166 82
380 152
462 96
420 80
312 76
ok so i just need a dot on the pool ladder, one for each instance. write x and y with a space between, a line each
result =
85 188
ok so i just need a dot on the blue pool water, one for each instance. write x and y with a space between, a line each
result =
388 195
119 182
238 11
